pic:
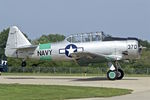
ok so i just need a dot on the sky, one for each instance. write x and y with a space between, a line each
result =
121 18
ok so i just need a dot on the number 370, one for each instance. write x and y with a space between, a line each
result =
131 46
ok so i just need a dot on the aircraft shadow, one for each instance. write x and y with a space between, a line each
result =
92 79
73 79
99 79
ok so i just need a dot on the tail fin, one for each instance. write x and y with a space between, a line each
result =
15 40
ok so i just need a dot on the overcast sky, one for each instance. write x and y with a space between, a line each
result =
125 18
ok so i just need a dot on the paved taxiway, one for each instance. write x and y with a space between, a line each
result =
139 85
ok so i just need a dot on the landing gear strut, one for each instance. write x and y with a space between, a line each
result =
115 72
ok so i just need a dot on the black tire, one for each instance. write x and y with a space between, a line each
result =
120 74
23 64
112 75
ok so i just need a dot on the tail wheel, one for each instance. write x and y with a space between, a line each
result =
23 64
112 75
120 74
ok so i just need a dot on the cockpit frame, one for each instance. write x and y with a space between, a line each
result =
86 37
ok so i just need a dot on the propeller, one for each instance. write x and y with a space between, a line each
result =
140 47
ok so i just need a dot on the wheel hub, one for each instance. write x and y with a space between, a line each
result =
112 75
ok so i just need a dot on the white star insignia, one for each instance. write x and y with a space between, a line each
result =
71 50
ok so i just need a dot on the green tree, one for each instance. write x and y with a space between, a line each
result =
145 43
49 38
3 40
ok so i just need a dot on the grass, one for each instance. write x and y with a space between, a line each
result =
53 92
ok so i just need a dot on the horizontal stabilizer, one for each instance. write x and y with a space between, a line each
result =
26 47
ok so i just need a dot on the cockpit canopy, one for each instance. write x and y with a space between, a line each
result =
86 37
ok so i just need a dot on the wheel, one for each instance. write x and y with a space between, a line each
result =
23 64
112 75
120 74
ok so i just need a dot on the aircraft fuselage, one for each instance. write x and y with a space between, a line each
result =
121 50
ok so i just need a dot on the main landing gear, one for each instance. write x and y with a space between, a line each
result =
115 72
